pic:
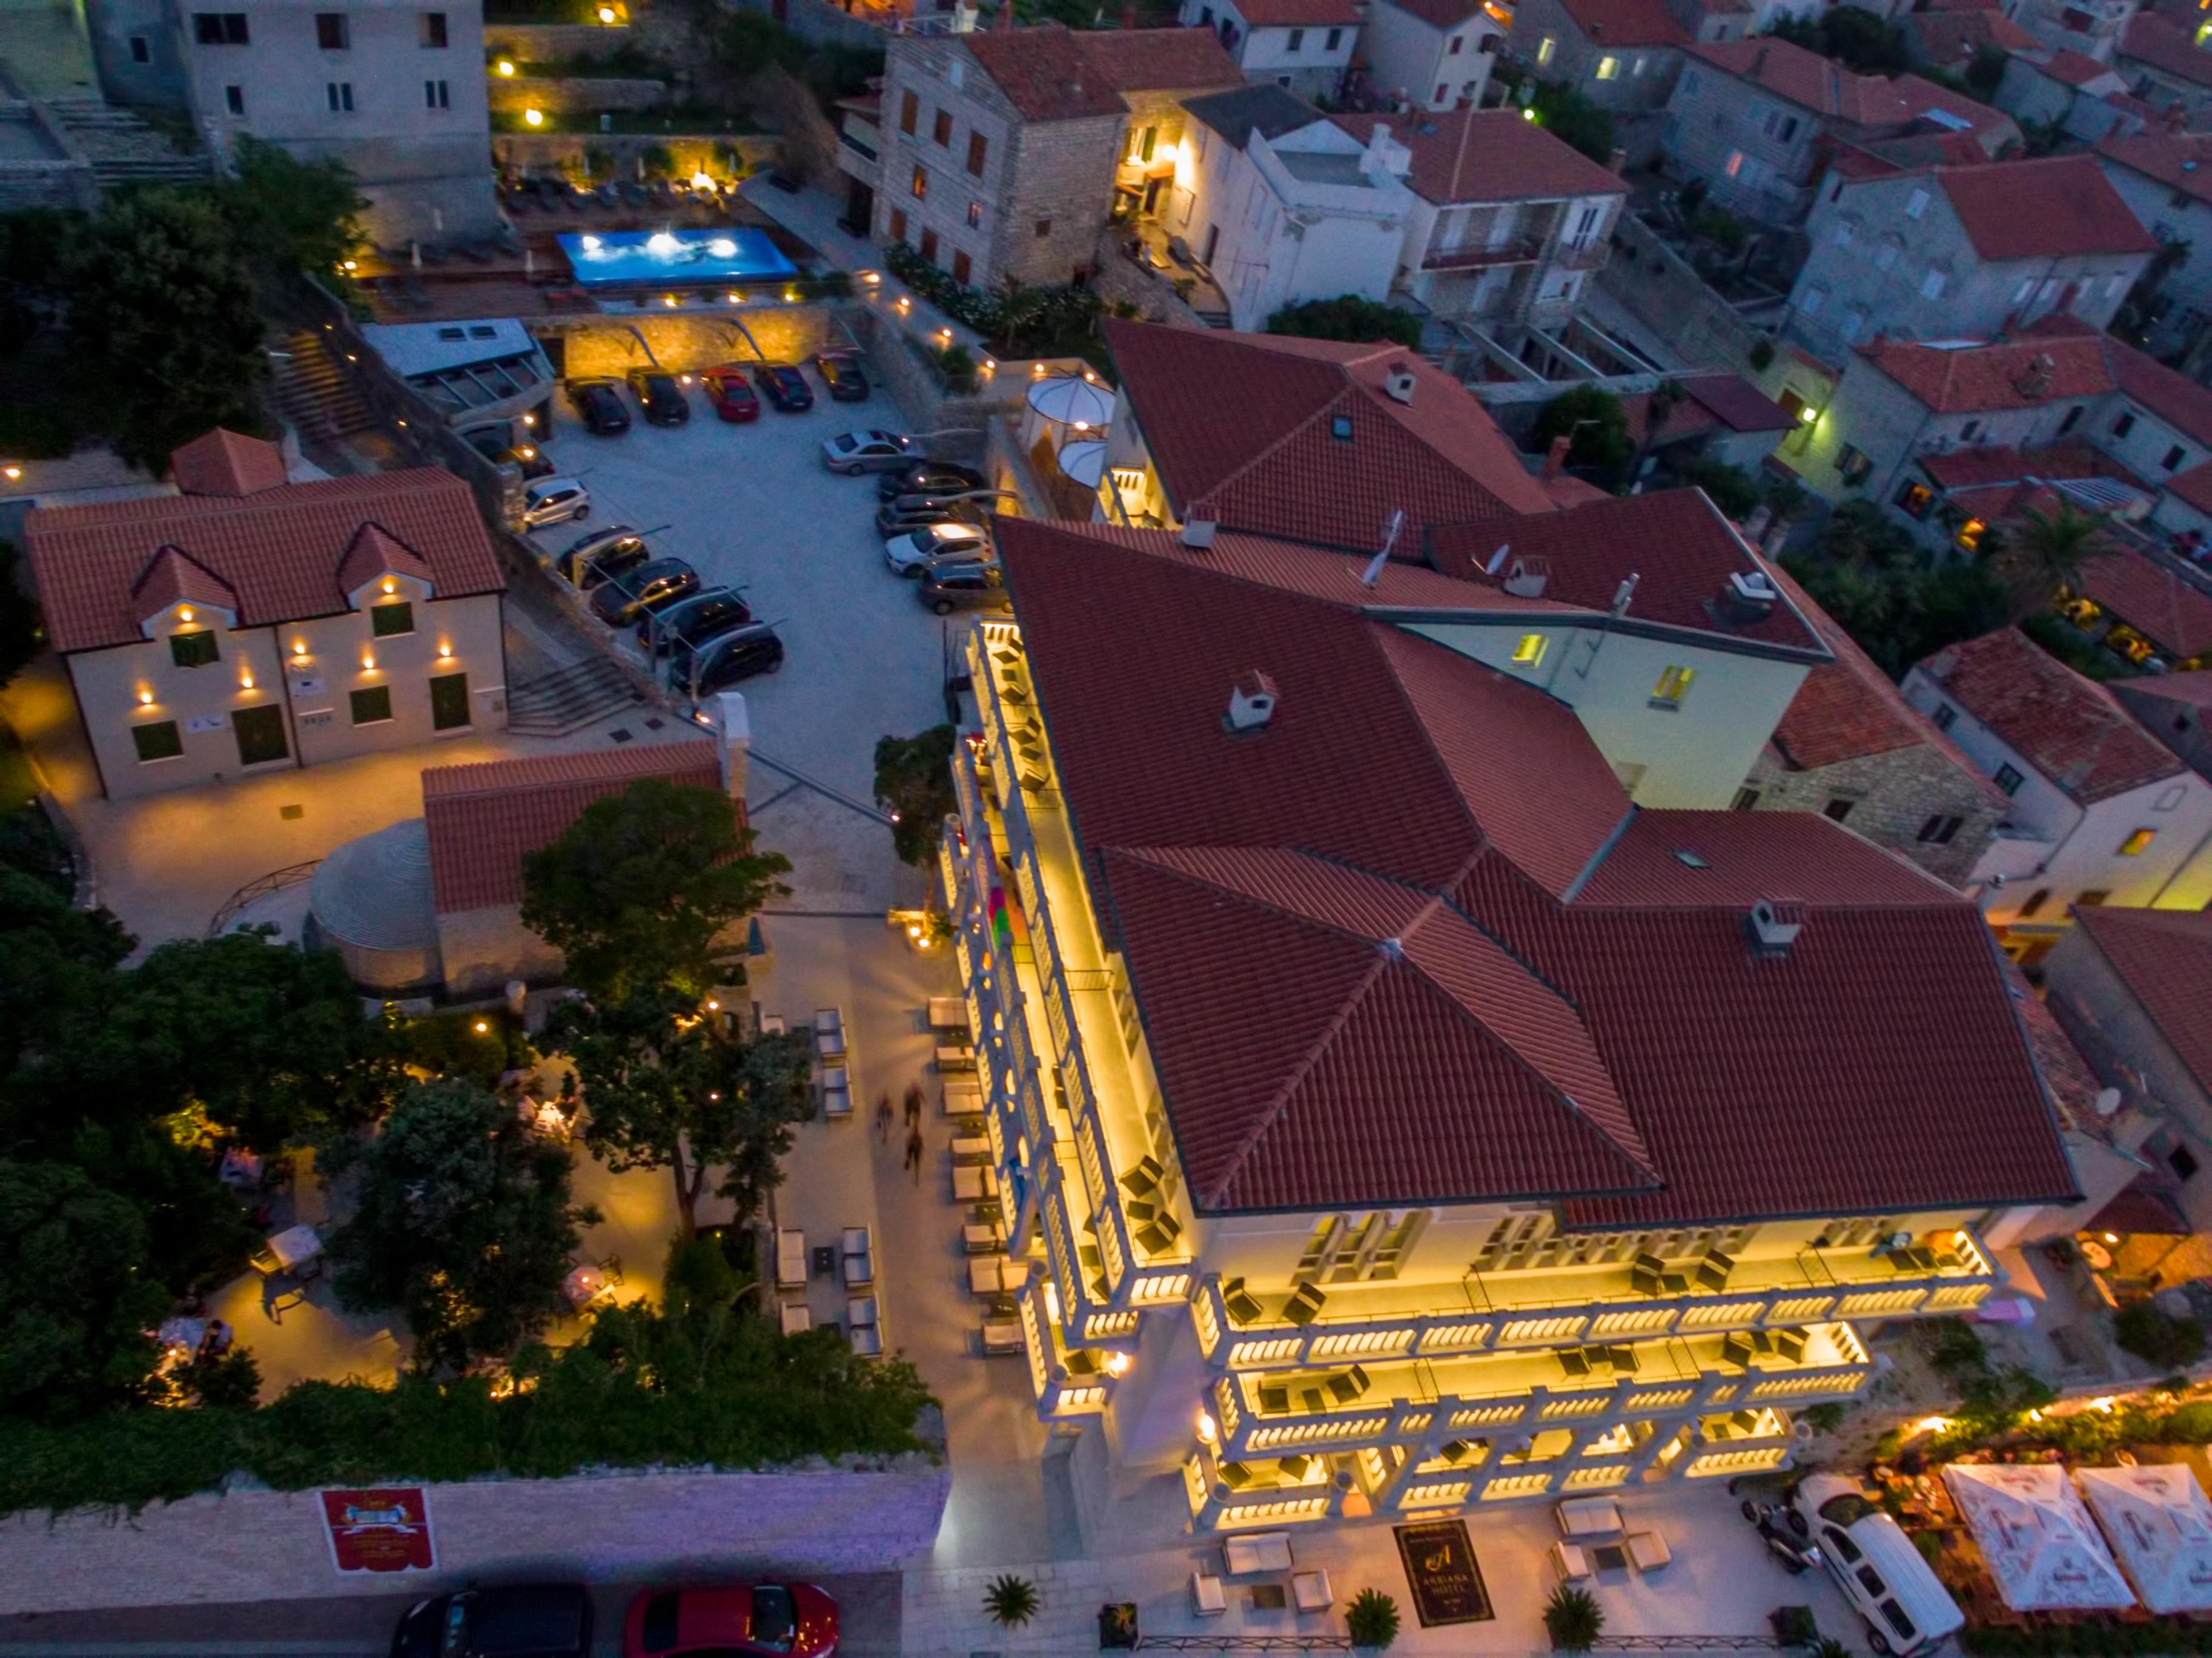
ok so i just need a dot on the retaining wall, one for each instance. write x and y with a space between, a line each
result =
273 1545
1663 292
545 152
541 43
575 94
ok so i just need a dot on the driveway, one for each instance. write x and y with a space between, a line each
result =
750 507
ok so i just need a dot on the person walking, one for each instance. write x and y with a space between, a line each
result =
883 1119
913 1105
914 1152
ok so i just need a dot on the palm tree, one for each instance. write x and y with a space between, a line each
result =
1574 1619
2045 551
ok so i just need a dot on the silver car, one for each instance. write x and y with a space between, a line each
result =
910 554
554 500
873 451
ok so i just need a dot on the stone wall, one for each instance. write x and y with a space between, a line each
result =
575 94
1892 795
271 1545
1061 182
542 42
548 152
46 167
1120 281
1661 291
688 341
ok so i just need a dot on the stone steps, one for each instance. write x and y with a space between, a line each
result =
314 397
569 699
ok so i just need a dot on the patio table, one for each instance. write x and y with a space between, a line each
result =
584 1285
287 1251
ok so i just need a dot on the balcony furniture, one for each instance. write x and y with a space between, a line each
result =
1309 1591
1255 1552
1269 1597
1588 1516
836 1092
1235 1475
955 1057
1570 1562
1608 1557
825 1261
1156 1237
960 1098
990 1274
860 1326
974 1182
1745 1420
978 1238
1647 1551
947 1013
1790 1344
1145 1177
1000 1336
1913 1259
1458 1453
1293 1468
1622 1358
1574 1361
1313 1400
1713 1269
1207 1597
1673 1284
790 1259
1644 1273
1242 1306
796 1319
859 1258
828 1035
1348 1385
1735 1348
1274 1399
1304 1305
970 1145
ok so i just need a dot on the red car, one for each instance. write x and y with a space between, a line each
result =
733 399
787 1620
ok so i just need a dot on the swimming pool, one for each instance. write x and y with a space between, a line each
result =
611 257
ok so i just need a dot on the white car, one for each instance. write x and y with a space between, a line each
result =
872 451
554 500
911 554
1906 1607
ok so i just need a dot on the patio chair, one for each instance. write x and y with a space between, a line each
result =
1207 1597
1574 1361
860 1329
1643 1275
1713 1269
612 1266
1235 1475
859 1259
829 1033
1304 1305
1348 1385
1001 1335
1293 1468
796 1319
1243 1307
1735 1348
836 1092
1274 1399
1570 1561
1145 1177
1309 1591
1458 1453
1622 1358
1647 1551
1790 1344
790 1259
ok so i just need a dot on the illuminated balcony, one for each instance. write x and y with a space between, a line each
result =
1559 1306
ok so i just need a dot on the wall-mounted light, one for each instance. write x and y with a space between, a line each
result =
184 613
12 472
445 647
245 680
735 299
146 699
507 68
535 118
389 585
368 662
299 647
1117 1364
668 300
606 14
873 278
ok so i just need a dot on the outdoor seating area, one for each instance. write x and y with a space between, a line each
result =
833 1067
1595 1538
850 1263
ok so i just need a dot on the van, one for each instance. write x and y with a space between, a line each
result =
1906 1605
554 500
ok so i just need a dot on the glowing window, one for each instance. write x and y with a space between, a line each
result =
1608 67
1529 653
1673 685
2136 841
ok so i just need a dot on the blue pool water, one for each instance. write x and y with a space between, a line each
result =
673 256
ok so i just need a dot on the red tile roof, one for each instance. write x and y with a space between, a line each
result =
2173 614
1626 23
1487 155
2146 1206
171 576
1675 542
1739 406
2194 486
1948 37
1819 84
2075 69
2005 374
482 819
1243 424
2179 160
2164 957
1296 13
2071 730
1439 14
2167 392
2161 44
1382 951
1158 60
279 548
2055 207
227 462
1045 74
373 552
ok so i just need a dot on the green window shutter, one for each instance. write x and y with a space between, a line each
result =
373 705
194 649
159 741
449 702
389 621
260 734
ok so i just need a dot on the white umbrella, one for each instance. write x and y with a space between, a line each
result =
2038 1540
1073 402
1085 462
2160 1524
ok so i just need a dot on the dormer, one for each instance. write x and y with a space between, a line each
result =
383 576
178 598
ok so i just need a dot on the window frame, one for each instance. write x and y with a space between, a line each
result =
379 611
2005 770
467 720
1673 685
355 704
333 33
176 739
183 654
431 31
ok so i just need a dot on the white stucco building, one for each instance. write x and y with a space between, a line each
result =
1434 54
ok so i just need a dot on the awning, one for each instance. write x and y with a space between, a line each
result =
2160 1524
2037 1538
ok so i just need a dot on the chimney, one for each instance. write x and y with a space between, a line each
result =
1198 529
1555 457
1527 577
1251 702
1750 596
2035 378
1773 926
724 716
1398 383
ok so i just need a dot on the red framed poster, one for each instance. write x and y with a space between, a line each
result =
385 1529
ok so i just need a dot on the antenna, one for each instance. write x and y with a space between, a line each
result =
1624 592
1375 564
1497 559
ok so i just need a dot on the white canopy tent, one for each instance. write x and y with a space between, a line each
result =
2038 1540
2160 1523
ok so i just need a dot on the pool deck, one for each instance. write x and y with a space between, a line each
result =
658 259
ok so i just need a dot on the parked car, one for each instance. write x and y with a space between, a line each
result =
716 663
784 386
599 405
842 376
727 390
1795 1553
792 1620
896 518
700 616
855 452
554 500
1905 1604
535 1620
649 588
592 559
927 477
660 398
910 554
493 446
963 587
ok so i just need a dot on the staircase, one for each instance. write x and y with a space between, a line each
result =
123 147
314 397
569 698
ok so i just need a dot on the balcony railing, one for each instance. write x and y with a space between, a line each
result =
858 146
1521 250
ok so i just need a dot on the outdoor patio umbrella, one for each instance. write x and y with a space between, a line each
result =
2038 1540
2160 1523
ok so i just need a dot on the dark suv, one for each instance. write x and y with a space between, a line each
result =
659 396
649 588
599 405
535 1620
963 587
841 374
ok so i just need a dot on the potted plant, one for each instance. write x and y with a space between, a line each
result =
1574 1619
1011 1600
1371 1620
1117 1626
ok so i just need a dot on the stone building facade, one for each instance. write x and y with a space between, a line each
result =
1916 800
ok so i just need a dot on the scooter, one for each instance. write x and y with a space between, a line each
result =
1796 1554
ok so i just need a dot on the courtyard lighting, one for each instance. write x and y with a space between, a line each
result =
791 296
184 614
246 679
704 180
507 68
146 699
299 647
591 244
904 304
1117 1364
669 300
350 265
1207 1433
722 247
482 1026
368 661
445 647
735 299
13 473
1931 1424
1528 114
533 117
606 14
661 242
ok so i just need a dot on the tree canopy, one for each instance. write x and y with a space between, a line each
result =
73 1336
463 1222
303 214
1348 316
635 891
1595 420
1574 119
1896 602
1853 35
914 784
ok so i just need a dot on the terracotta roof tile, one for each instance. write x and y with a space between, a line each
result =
2172 613
2162 44
1738 404
2167 392
1439 14
1950 38
2021 374
2071 730
2074 68
279 548
2164 957
375 551
1044 73
171 575
483 818
1487 155
1626 23
1825 87
1158 60
2179 160
1296 13
226 463
2194 486
2054 207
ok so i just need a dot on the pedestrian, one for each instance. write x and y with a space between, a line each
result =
914 1152
883 1119
913 1104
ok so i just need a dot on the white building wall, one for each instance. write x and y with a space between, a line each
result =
1434 68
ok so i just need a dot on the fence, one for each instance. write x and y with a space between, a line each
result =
276 881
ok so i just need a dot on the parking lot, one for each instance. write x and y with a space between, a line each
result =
750 506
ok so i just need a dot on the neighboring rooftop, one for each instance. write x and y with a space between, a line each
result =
1045 71
2054 207
1265 107
1423 869
1975 378
1158 60
1487 155
1952 38
1826 88
2164 957
482 819
2161 44
2172 613
1297 14
226 463
1626 23
2071 730
2179 160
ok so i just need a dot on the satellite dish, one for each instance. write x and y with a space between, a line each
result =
2107 1101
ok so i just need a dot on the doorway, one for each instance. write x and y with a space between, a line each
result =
260 734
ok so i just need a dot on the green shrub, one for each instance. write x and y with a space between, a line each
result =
1573 1619
1761 353
1372 1619
2168 1342
1348 316
1731 489
1011 1602
480 1045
